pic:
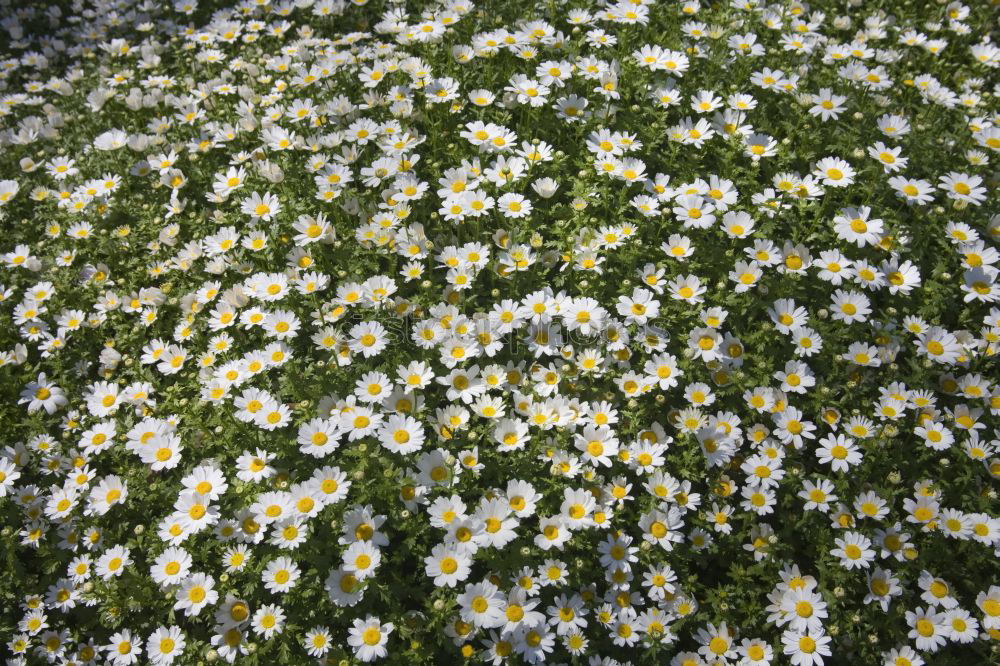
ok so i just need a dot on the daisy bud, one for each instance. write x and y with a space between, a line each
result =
439 604
772 539
945 276
88 587
223 578
833 630
858 115
404 514
873 639
633 403
359 475
838 592
823 314
645 546
139 529
251 647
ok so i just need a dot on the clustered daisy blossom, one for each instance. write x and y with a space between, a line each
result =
618 333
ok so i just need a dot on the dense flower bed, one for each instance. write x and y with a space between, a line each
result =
557 331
